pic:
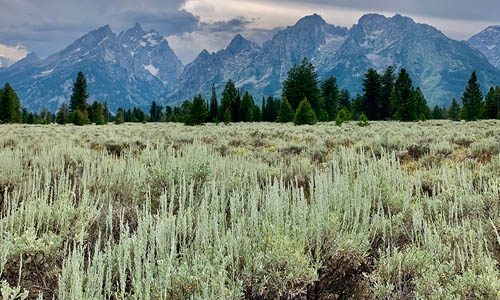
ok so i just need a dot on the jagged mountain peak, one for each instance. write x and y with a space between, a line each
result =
488 43
239 44
309 20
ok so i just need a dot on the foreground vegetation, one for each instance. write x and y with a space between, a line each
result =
251 211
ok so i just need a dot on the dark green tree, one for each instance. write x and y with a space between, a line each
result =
384 101
372 87
402 98
78 100
63 115
492 104
96 114
472 99
10 106
107 113
422 110
286 112
227 116
271 110
331 95
120 117
437 113
247 108
301 83
345 99
155 112
229 97
454 110
363 120
198 112
344 116
214 115
304 114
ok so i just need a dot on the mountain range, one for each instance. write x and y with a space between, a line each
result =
136 67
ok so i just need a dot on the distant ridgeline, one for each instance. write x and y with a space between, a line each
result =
305 100
136 67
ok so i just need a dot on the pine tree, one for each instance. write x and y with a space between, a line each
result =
345 99
422 110
119 118
402 98
286 112
492 103
331 97
372 88
107 113
155 112
97 115
472 99
302 83
227 116
198 112
305 114
454 110
78 100
363 120
437 113
229 95
247 108
214 107
10 106
63 115
387 85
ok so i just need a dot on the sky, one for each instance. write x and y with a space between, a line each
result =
190 26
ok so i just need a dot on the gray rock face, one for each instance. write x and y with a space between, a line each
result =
131 69
488 43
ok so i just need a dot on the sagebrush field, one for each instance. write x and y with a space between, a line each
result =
251 211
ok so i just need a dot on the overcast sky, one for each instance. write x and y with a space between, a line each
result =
190 26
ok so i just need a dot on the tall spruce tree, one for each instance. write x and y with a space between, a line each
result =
492 104
155 112
10 106
472 99
198 111
214 115
403 99
247 108
384 101
78 100
422 110
229 97
372 88
286 113
331 97
454 110
302 82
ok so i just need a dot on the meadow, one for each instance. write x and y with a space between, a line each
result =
250 211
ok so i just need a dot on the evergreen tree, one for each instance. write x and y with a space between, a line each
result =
10 106
272 109
384 101
107 113
345 99
63 114
472 99
120 117
97 113
214 106
437 113
229 95
155 112
227 116
454 110
138 115
331 97
286 112
78 100
257 116
198 112
302 83
305 114
247 108
402 98
372 89
422 110
236 109
363 120
492 103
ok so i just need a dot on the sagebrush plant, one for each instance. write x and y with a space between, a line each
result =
250 211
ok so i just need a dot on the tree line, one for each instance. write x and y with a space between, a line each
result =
304 100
